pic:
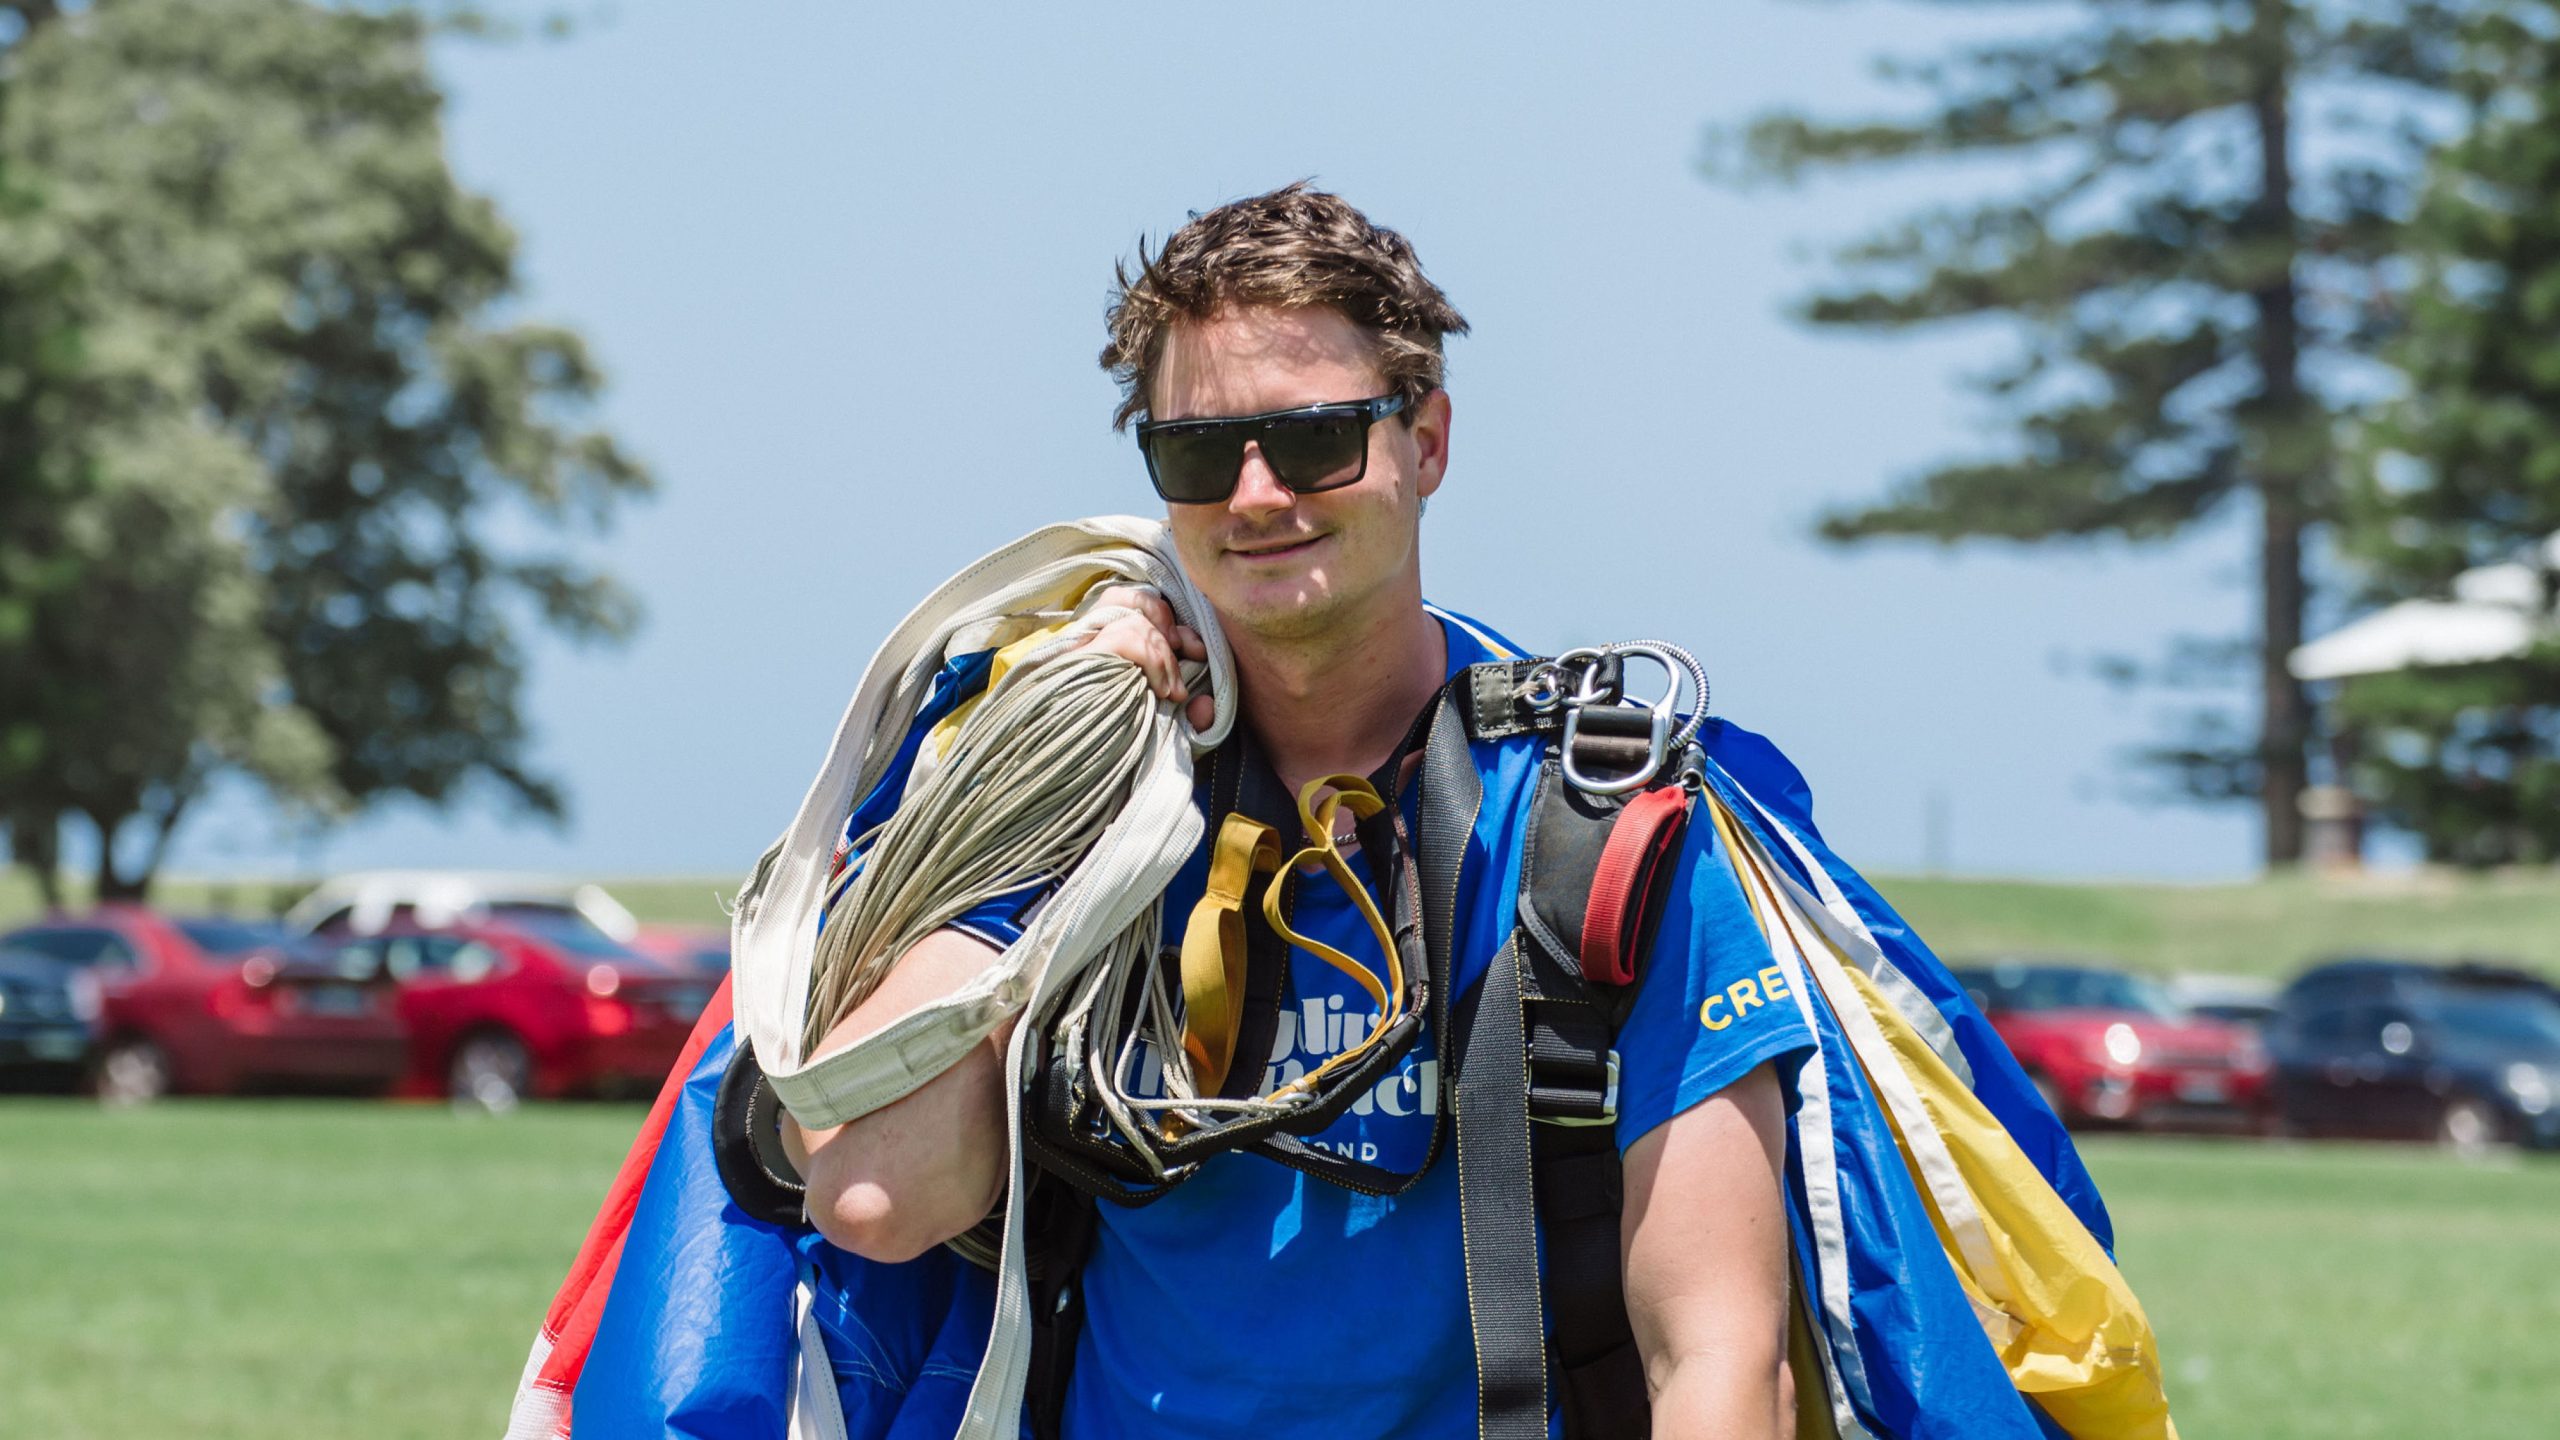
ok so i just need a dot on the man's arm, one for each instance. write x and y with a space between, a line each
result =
893 1184
907 1177
1706 1265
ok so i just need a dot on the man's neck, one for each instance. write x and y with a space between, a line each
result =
1339 703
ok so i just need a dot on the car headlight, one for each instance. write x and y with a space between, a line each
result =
2122 1045
2530 1086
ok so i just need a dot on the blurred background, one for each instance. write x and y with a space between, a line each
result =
455 461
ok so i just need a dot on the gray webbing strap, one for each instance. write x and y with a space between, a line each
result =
1496 1210
1497 1217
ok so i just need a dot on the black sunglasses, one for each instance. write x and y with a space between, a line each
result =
1316 447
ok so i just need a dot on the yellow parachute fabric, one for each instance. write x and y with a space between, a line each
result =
2067 1327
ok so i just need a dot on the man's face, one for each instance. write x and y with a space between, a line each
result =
1273 562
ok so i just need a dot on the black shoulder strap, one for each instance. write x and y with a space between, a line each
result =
1575 1171
1559 1050
1058 1230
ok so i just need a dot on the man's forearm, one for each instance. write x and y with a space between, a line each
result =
893 1184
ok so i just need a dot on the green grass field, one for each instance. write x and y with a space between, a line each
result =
2259 927
248 1269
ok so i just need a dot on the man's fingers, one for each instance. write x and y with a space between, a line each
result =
1153 640
1159 664
1202 709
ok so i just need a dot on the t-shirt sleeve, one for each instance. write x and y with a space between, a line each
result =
1001 921
1711 1003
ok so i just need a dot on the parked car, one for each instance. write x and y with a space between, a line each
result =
702 949
2248 1000
48 1017
528 1002
211 1004
367 901
2464 1055
2106 1047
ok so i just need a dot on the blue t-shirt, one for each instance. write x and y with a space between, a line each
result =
1255 1300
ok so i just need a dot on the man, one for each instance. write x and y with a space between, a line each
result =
1256 1299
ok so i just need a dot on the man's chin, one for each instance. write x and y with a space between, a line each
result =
1279 610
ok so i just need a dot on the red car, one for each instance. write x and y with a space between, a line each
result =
214 1005
2105 1047
516 1001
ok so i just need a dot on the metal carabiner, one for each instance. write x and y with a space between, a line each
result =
1661 740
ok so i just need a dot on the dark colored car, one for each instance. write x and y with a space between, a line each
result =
48 1017
2464 1055
210 1004
2110 1048
520 1001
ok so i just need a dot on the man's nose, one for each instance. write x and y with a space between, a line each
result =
1259 492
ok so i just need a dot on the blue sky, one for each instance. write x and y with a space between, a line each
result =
846 268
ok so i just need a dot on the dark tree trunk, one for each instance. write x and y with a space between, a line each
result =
164 824
2283 454
111 885
35 843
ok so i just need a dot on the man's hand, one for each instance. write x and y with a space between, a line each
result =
1156 644
1706 1265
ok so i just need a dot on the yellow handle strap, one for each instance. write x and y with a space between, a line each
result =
1350 792
1213 949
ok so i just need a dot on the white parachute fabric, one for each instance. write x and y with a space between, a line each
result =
1009 594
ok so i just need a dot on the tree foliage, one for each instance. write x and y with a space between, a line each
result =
2463 469
263 413
2194 288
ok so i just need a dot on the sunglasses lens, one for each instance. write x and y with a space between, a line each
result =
1317 452
1195 466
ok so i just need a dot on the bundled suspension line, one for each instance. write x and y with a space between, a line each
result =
1033 778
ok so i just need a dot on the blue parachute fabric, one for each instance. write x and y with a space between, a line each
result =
697 1339
1757 767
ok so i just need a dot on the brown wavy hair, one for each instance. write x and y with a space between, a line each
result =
1294 247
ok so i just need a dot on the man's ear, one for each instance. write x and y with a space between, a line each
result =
1431 441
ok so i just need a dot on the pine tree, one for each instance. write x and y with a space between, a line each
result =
2463 469
2185 283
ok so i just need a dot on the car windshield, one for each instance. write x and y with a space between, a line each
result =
561 926
2525 1019
2038 989
227 939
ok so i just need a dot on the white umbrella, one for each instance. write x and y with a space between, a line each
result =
2496 612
